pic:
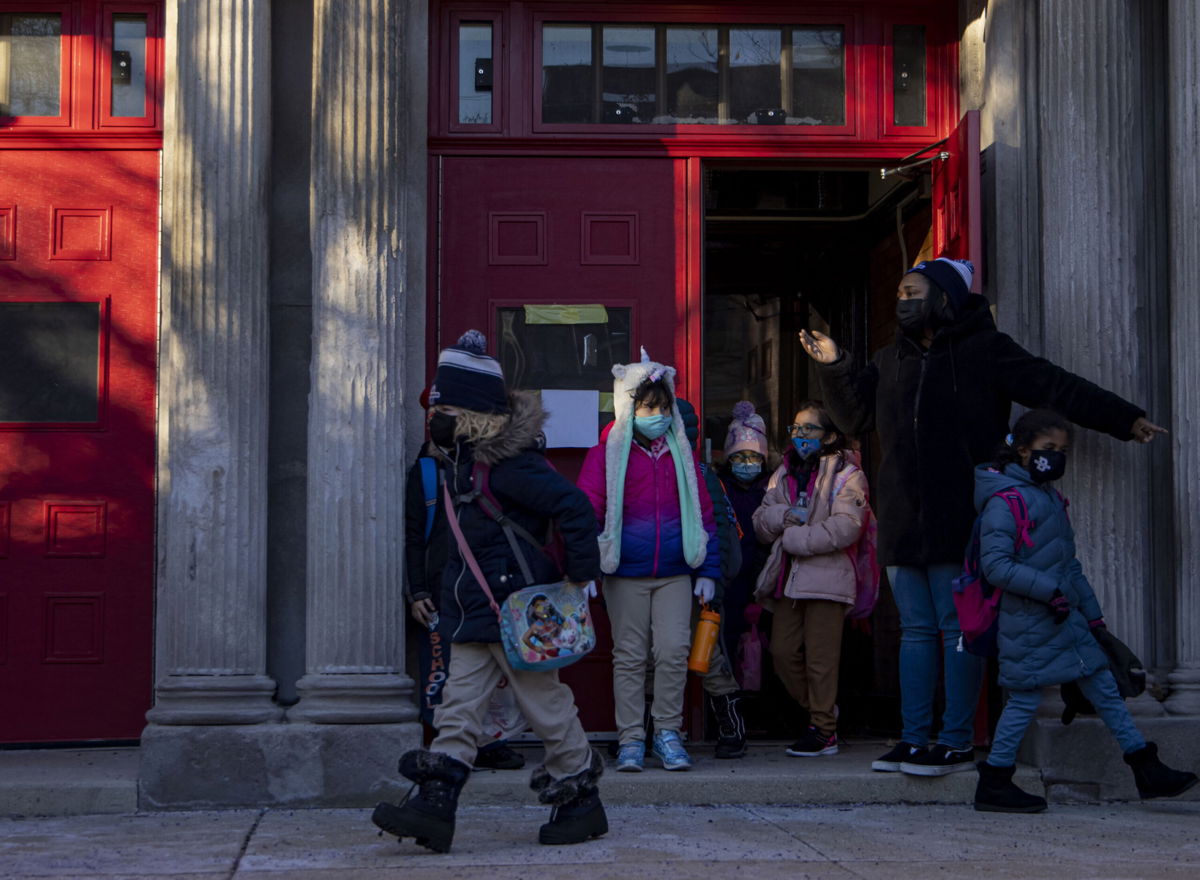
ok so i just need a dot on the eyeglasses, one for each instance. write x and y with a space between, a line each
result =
746 457
808 430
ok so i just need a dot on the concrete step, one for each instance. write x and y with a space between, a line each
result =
765 776
67 782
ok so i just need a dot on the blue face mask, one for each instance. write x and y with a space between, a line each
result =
806 447
652 427
745 471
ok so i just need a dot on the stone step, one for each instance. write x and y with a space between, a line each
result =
765 776
68 782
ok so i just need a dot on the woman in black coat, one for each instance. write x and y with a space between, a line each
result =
940 398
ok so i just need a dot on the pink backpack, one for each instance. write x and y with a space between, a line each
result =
862 555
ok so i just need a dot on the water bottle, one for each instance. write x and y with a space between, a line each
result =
704 640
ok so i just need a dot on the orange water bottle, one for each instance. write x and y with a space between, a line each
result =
704 640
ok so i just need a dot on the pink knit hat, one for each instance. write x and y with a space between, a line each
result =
747 431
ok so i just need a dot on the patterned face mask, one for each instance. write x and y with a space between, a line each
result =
745 471
806 447
1047 465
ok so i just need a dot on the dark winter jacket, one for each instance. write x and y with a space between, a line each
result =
1034 650
942 411
424 559
532 494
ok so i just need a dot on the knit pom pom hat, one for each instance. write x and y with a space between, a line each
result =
953 276
467 378
747 431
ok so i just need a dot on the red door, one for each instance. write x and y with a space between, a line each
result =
957 198
522 236
78 289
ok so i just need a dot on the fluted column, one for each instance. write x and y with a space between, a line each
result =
1183 26
357 462
1100 280
211 608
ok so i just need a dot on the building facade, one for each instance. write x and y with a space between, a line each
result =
233 235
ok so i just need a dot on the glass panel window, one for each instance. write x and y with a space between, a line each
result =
30 63
629 93
568 78
49 361
693 80
908 74
818 76
755 85
129 65
475 73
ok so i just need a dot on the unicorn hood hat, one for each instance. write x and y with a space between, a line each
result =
627 379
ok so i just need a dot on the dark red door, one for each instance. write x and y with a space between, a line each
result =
78 291
524 242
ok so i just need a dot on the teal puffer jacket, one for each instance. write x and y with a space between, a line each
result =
1034 650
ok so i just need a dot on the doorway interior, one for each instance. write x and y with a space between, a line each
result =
806 246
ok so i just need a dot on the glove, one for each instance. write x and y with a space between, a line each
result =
705 589
1060 606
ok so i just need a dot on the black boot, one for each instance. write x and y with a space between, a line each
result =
731 729
996 792
428 816
578 814
1153 777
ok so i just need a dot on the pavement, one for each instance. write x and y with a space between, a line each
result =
757 842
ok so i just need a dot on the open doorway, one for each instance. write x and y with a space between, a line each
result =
792 246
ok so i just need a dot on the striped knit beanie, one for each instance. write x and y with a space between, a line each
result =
467 378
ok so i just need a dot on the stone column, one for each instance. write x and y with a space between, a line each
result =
1101 281
357 461
211 628
1183 24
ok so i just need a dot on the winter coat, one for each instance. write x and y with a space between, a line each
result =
424 558
1034 650
745 499
942 411
812 558
531 493
651 532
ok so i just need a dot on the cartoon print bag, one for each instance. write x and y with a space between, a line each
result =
546 626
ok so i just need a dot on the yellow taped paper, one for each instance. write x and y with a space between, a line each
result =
566 315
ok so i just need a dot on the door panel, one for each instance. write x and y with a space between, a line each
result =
78 317
520 232
957 199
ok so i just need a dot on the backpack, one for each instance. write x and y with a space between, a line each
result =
429 484
863 558
976 601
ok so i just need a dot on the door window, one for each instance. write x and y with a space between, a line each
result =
49 362
128 70
475 75
30 64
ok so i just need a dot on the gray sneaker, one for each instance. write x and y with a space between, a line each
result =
668 748
631 756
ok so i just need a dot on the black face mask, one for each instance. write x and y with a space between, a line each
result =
912 315
1047 465
442 428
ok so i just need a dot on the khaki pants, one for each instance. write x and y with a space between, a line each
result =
547 704
806 645
643 610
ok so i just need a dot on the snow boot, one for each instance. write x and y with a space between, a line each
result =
578 814
731 729
996 792
1153 777
428 816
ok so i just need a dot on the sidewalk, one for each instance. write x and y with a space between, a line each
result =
1115 842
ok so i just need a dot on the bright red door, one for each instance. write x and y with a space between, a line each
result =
520 236
78 290
957 198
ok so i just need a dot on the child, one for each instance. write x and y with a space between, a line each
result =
1046 613
477 422
659 544
813 511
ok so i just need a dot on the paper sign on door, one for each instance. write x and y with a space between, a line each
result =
573 418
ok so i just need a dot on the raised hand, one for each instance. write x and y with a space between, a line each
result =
820 347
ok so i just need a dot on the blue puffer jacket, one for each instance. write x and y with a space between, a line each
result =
1034 650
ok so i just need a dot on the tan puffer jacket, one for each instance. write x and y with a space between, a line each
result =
819 566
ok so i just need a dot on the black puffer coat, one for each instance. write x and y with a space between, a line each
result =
942 411
531 493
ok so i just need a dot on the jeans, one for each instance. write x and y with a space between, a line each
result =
1099 687
929 624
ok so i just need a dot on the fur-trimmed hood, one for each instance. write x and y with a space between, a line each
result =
521 431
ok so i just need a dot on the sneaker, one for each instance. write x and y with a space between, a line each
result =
939 761
668 748
812 743
631 756
499 757
902 751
